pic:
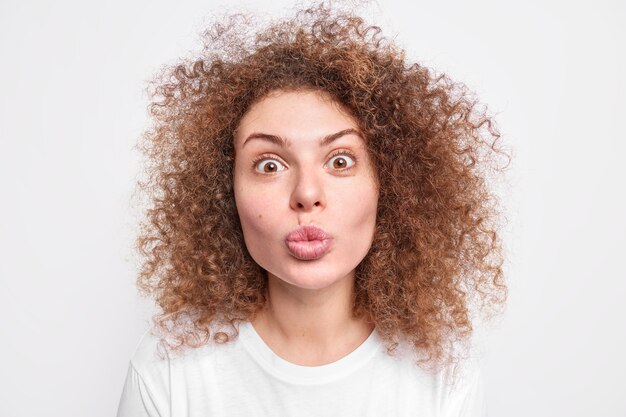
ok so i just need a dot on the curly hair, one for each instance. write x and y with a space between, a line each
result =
436 247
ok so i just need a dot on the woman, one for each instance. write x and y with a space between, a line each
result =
320 230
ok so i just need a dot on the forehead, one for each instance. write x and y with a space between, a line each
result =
295 115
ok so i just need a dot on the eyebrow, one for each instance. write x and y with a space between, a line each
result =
284 143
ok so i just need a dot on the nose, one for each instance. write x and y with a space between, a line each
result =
308 192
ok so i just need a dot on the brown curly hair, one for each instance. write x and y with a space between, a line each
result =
436 249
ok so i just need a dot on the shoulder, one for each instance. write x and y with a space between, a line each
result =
150 360
154 353
453 390
154 357
462 389
147 350
147 389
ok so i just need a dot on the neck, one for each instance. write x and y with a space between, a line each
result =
311 327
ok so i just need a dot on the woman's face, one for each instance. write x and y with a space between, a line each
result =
301 161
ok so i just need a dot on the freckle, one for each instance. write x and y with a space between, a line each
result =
260 216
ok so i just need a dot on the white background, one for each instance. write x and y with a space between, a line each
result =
72 105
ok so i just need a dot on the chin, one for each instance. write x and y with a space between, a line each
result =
312 281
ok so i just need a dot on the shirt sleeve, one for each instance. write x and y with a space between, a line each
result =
468 398
137 400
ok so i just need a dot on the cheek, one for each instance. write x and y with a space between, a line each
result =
361 204
257 211
260 222
255 222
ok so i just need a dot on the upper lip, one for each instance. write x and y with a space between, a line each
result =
306 233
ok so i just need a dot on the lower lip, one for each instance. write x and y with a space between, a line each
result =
309 250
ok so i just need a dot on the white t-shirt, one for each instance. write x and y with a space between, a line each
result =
246 378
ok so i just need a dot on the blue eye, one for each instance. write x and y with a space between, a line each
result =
269 166
342 161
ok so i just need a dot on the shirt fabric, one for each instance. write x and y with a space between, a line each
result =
245 377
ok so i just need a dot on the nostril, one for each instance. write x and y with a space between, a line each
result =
316 204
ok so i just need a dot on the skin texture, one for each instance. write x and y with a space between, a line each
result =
436 257
307 318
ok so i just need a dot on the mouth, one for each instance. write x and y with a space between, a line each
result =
308 242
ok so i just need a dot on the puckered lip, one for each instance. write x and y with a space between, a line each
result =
307 233
308 242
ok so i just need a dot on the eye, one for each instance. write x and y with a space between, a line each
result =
342 161
268 166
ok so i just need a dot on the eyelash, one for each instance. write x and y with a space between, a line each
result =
263 157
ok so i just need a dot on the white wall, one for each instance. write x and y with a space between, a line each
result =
72 104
